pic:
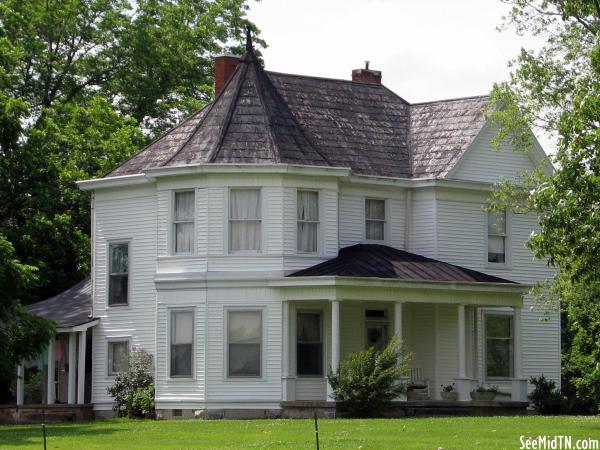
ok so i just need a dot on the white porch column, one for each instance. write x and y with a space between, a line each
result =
463 384
20 384
72 368
519 384
81 369
335 341
398 319
288 386
50 392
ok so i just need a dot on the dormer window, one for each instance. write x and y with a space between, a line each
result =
308 221
374 219
183 222
244 220
497 236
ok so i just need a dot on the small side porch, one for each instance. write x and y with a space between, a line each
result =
461 333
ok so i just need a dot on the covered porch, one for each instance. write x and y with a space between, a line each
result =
441 312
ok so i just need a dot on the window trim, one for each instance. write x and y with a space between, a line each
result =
512 343
385 321
324 342
263 343
318 222
110 340
386 231
170 312
507 264
228 220
110 243
173 222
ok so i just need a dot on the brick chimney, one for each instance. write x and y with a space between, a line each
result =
366 75
224 67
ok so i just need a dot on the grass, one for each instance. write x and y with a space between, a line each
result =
411 433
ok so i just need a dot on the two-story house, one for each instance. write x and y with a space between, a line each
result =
296 219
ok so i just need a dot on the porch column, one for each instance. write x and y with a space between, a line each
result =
335 342
20 384
81 369
398 332
288 386
519 384
50 392
72 368
463 384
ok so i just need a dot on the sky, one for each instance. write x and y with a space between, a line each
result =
426 49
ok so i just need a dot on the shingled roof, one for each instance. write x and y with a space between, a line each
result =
268 117
381 261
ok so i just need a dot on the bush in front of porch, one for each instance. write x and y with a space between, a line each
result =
366 382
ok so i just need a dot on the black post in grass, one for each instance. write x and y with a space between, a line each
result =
44 425
316 430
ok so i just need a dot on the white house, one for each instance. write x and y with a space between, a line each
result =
296 219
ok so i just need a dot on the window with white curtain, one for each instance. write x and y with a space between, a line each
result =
182 343
183 222
499 345
118 357
118 278
244 220
244 343
497 236
308 221
375 219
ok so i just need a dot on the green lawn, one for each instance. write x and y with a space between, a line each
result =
428 433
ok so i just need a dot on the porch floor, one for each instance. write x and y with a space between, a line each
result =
304 408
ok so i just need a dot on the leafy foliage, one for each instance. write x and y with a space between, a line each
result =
134 390
557 89
545 397
366 382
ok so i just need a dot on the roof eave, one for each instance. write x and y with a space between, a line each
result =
113 182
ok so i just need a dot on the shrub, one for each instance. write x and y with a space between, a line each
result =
366 382
134 390
545 397
491 388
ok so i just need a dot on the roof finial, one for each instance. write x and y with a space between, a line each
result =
248 39
367 65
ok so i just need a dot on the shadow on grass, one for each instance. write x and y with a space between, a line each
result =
16 435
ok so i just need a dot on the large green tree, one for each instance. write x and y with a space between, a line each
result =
83 85
557 89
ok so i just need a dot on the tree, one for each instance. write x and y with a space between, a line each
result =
22 335
558 89
83 85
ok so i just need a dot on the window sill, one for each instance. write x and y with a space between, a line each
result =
498 266
118 305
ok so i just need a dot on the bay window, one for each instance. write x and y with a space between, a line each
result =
244 220
183 222
181 343
244 343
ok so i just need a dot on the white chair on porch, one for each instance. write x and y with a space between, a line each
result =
418 385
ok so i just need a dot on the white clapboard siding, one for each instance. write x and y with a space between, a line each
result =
329 222
311 388
273 224
446 346
423 223
352 220
397 222
422 339
483 163
217 220
290 216
116 219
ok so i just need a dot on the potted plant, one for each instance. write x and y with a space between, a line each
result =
448 393
484 394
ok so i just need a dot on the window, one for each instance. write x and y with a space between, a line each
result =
183 222
182 338
375 219
118 357
244 341
118 282
498 345
497 236
309 344
244 220
308 221
376 328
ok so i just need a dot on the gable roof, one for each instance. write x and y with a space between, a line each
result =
69 308
381 261
269 117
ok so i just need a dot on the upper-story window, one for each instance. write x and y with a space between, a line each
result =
244 220
497 236
375 219
183 222
118 278
308 221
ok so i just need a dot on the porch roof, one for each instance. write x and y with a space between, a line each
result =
68 309
381 261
